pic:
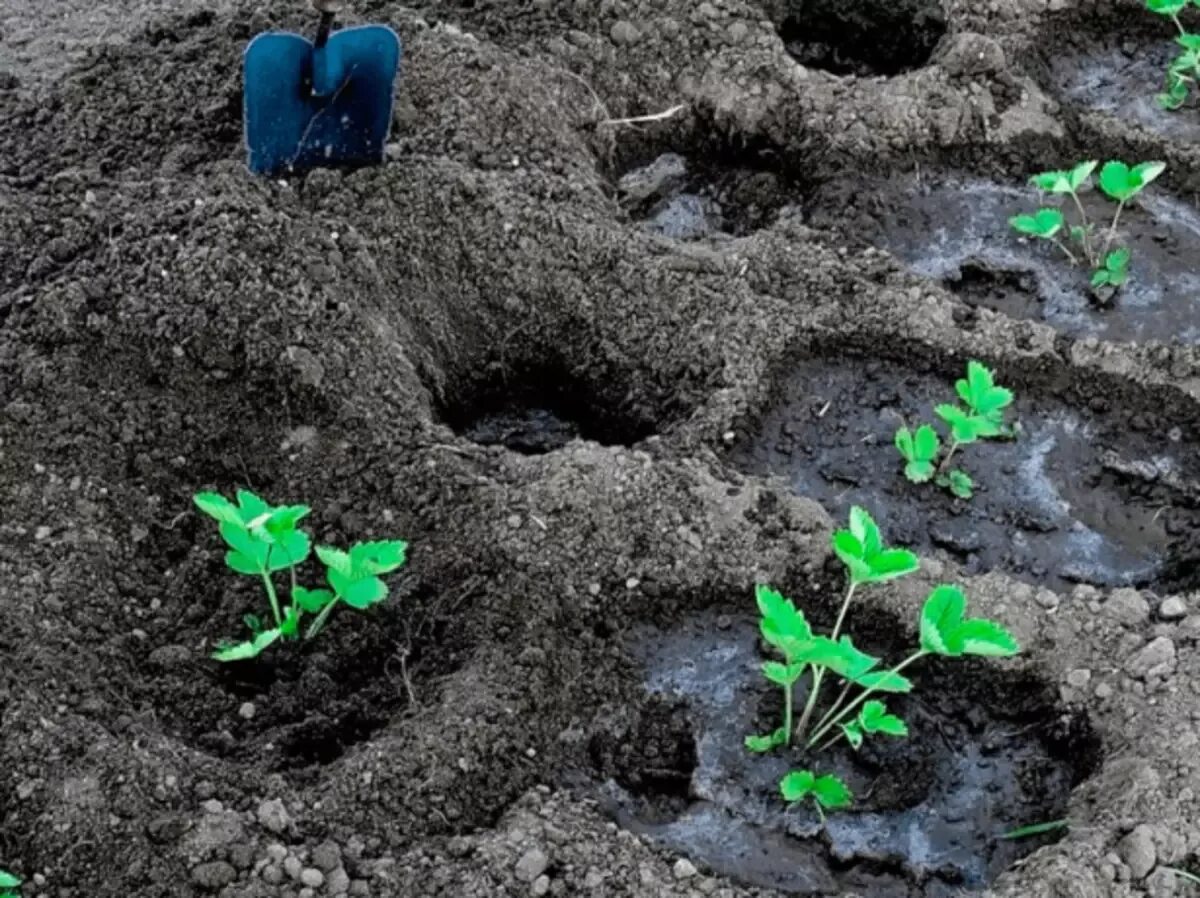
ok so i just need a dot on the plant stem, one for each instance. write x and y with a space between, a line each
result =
1086 241
266 575
819 672
1179 25
1071 255
315 627
833 709
787 712
949 455
821 731
1112 232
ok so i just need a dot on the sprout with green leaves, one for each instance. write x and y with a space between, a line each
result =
1120 183
9 885
264 540
857 712
1184 71
981 416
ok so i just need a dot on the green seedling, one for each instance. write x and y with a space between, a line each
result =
1183 73
9 885
981 416
264 540
1183 874
857 712
1120 183
827 792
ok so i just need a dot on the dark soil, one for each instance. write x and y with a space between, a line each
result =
501 346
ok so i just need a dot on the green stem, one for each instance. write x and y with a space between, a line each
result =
831 741
1087 240
833 709
1179 25
787 712
819 672
853 706
949 455
1112 232
266 575
1071 255
319 621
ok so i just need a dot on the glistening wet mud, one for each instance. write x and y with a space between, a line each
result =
950 229
1123 79
929 810
1081 495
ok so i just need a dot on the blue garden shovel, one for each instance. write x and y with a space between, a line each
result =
320 103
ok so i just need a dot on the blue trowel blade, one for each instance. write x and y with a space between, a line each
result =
343 122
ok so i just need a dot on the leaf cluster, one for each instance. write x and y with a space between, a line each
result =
1119 182
263 540
1183 72
980 416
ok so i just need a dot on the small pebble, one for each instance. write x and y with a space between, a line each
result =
246 711
1172 609
684 869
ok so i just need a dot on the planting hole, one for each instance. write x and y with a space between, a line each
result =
956 230
1079 496
864 38
540 412
687 200
1123 79
987 752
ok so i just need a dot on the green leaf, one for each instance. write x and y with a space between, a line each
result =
892 563
831 792
762 744
243 542
335 560
283 520
797 785
850 551
874 718
291 622
842 657
8 881
853 733
1052 181
980 393
783 674
919 450
782 624
866 531
242 564
940 618
884 681
1080 173
291 550
987 638
958 482
251 506
1044 224
217 506
861 549
1122 183
364 593
963 426
243 651
1166 8
380 557
1116 265
1100 278
311 601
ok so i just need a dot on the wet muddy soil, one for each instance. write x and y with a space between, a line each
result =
955 229
930 810
1079 496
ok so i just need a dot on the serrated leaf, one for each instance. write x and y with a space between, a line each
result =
251 506
874 718
850 551
238 538
1078 175
218 507
1052 181
926 443
1100 278
919 471
987 638
940 618
364 593
761 744
861 550
958 482
865 530
379 557
1121 183
782 674
243 651
284 519
831 792
781 623
904 444
797 785
242 564
964 427
311 601
290 551
885 681
1044 224
335 560
842 657
892 563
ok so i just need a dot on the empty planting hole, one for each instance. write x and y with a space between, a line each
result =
863 38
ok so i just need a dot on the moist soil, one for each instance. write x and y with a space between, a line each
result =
498 345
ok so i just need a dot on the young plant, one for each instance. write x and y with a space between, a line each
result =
264 540
1184 71
1120 183
981 416
857 712
9 885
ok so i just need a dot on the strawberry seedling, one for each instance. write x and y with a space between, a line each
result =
264 540
857 713
1120 183
1183 73
981 416
9 885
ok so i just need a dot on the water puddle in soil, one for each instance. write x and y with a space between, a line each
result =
685 200
1123 80
1080 496
929 809
956 230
